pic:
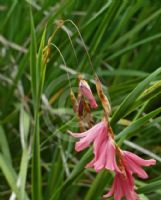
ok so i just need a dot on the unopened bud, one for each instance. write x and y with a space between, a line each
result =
86 91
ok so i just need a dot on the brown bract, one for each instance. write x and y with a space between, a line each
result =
102 96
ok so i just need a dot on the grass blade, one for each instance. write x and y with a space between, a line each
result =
37 80
130 99
9 175
150 187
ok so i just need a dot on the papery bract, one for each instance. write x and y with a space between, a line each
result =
102 96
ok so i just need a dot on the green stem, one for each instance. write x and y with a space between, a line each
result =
36 165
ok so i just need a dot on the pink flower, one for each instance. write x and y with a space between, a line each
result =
103 146
134 164
123 186
86 91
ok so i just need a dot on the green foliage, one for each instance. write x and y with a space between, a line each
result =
37 157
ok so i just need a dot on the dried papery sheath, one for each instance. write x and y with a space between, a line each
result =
74 101
46 53
59 23
84 112
75 105
86 92
80 106
88 115
103 98
81 124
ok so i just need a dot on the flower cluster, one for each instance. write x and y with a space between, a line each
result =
107 155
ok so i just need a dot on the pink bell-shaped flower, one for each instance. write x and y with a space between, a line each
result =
103 146
134 164
123 186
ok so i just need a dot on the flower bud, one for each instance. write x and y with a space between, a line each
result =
86 92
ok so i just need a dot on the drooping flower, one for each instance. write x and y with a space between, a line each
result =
129 164
123 186
103 146
134 164
86 92
107 155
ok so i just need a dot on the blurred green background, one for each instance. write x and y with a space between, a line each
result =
123 39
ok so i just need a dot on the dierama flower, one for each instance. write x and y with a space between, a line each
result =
123 186
107 155
103 146
129 164
134 164
86 92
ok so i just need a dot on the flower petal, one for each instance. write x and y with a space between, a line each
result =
134 163
123 186
134 168
111 156
90 164
127 184
101 160
111 191
94 130
87 137
139 160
